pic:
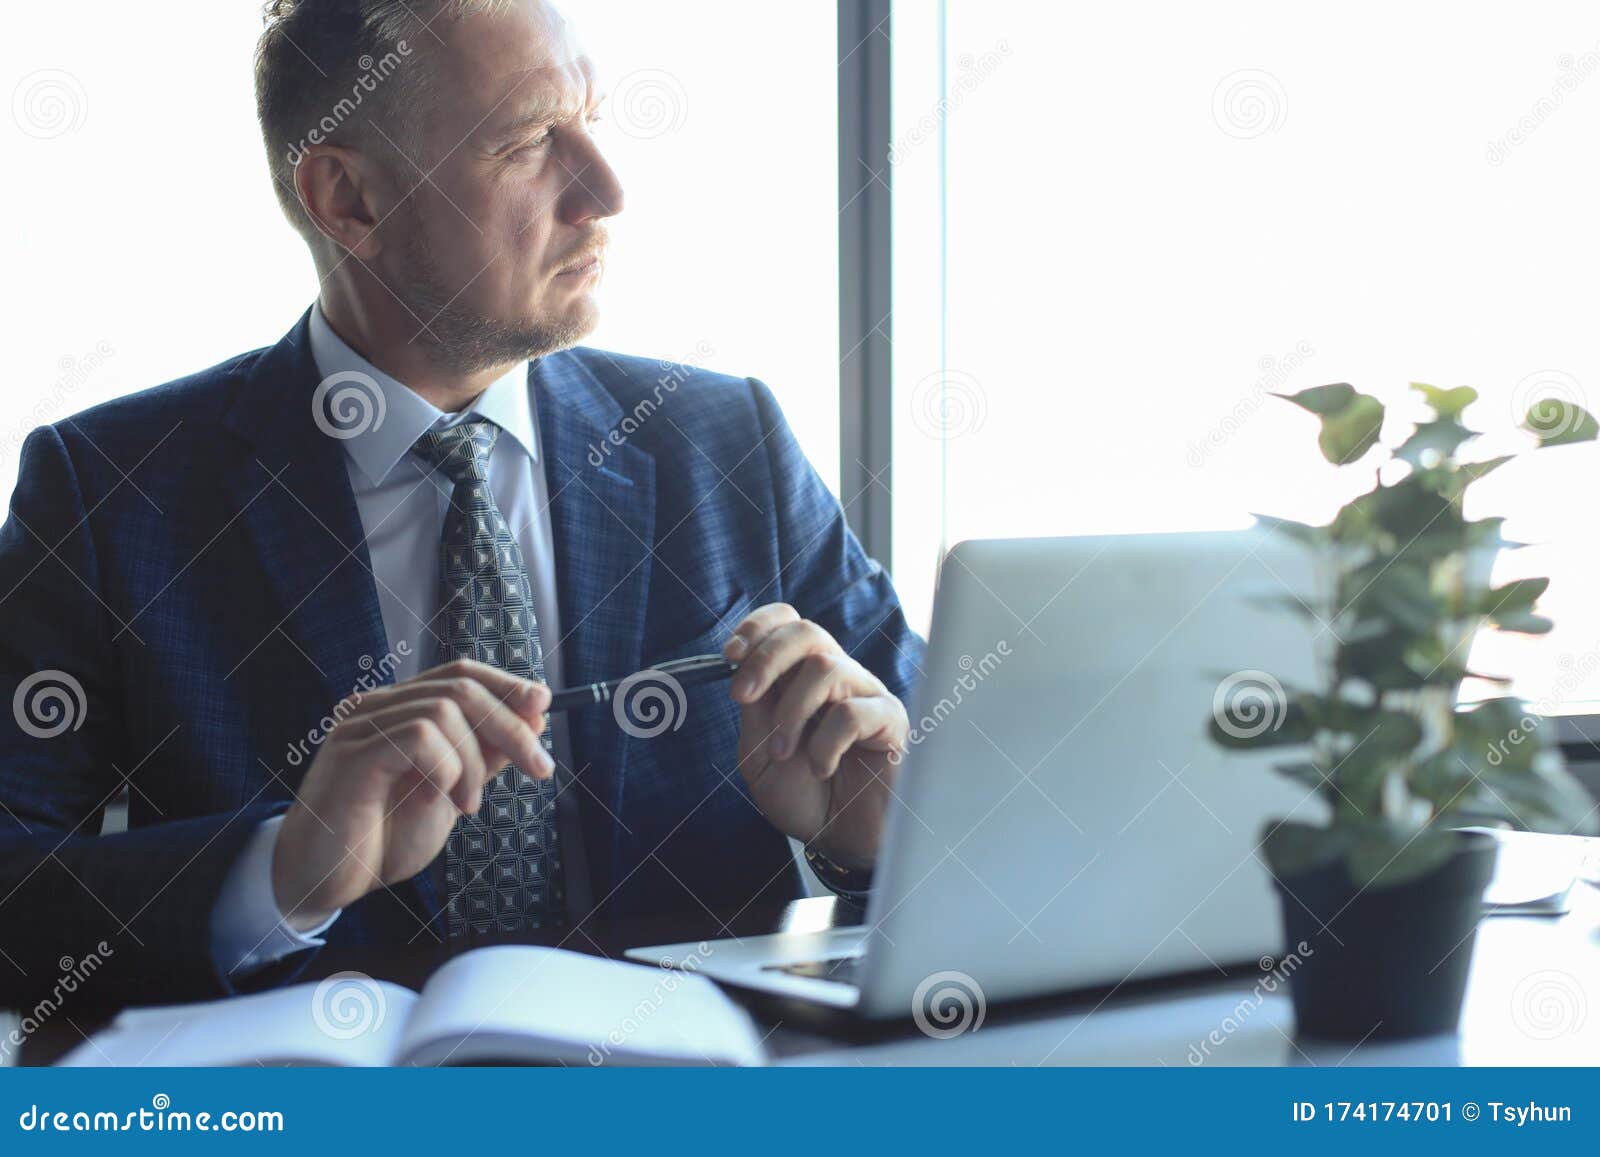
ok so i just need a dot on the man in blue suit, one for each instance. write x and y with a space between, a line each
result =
305 606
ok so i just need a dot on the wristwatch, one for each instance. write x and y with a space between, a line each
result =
853 884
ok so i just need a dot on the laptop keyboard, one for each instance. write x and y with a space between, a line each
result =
841 969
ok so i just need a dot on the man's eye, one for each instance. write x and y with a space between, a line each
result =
534 145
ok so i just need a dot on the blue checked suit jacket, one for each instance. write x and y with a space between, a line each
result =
192 557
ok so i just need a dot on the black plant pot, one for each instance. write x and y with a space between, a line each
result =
1391 961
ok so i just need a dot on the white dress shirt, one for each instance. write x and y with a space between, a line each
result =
402 507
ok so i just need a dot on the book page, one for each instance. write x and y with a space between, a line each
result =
546 1004
347 1019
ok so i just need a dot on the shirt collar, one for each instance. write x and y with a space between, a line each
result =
379 448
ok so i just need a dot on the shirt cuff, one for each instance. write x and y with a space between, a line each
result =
248 932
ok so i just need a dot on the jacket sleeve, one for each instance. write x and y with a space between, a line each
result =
825 574
103 920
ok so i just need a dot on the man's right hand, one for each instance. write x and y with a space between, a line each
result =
390 780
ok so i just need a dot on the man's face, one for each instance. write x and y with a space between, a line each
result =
499 251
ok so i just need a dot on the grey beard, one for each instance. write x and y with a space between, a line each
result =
468 342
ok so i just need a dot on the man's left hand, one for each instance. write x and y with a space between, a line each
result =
819 737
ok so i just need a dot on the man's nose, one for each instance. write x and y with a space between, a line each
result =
594 190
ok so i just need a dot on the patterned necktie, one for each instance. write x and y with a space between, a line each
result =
503 866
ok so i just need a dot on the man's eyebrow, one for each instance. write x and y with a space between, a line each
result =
541 113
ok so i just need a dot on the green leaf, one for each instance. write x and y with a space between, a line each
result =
1410 508
1558 422
1447 403
1432 442
1304 772
1350 433
1385 855
1323 400
1521 623
1293 849
1298 531
1375 729
1245 721
1397 590
1389 661
1288 604
1472 471
1513 597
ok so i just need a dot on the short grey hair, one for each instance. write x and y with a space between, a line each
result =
324 69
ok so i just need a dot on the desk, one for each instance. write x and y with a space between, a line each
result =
1533 999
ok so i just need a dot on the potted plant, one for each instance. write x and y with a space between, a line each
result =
1388 889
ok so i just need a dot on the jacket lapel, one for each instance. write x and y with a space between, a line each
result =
291 491
602 520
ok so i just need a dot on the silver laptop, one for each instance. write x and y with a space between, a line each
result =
1062 819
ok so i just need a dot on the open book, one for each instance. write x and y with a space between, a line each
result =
510 1004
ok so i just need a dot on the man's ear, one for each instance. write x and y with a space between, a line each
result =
341 191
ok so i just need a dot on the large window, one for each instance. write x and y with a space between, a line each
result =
144 241
1119 228
722 126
